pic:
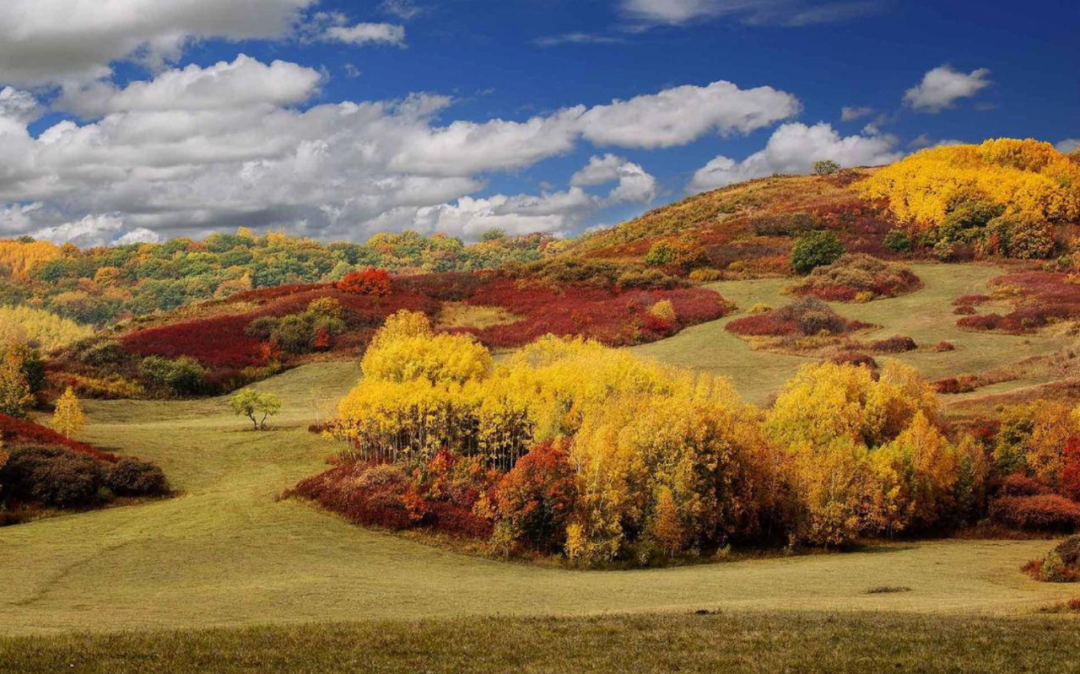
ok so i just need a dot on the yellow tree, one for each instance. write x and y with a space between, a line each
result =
68 419
14 388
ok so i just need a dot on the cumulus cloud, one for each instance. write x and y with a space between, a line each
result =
680 115
1068 145
368 33
850 114
943 86
793 148
242 83
780 12
197 150
18 106
635 185
49 41
96 230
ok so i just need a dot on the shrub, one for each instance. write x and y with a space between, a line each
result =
706 275
536 498
1062 565
815 249
898 344
1036 513
898 241
52 476
784 224
101 353
804 317
131 477
857 277
660 254
826 167
183 376
370 282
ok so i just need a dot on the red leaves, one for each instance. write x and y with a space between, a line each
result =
370 282
1044 298
1070 469
536 498
18 431
217 342
1036 513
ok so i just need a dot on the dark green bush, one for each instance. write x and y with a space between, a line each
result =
183 376
52 476
898 241
131 477
815 249
101 352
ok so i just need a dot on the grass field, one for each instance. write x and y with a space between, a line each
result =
731 643
227 553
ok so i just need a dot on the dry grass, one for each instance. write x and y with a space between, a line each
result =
461 315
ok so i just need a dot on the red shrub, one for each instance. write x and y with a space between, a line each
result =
1021 485
371 282
1036 513
19 431
854 358
218 342
536 498
1070 470
897 344
1043 298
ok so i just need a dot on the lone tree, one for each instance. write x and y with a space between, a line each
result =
68 419
256 406
826 167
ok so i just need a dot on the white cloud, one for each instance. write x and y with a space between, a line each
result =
18 106
793 148
197 150
48 41
779 12
242 83
923 141
683 114
850 114
1068 145
93 230
140 235
368 33
523 214
576 38
943 86
405 10
635 185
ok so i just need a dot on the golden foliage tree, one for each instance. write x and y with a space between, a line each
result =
15 395
68 418
1026 177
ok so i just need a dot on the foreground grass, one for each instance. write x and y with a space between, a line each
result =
732 643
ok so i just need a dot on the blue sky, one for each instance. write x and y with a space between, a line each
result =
338 119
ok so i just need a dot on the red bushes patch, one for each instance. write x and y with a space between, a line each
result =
372 282
1036 513
19 431
803 318
439 496
1043 298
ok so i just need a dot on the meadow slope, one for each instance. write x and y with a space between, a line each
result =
227 552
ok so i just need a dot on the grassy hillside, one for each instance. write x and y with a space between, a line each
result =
226 552
811 643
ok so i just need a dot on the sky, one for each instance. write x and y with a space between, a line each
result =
139 120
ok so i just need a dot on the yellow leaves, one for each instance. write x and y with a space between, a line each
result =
68 418
664 310
406 350
830 402
1029 178
18 259
37 326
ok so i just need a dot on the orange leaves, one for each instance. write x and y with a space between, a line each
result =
18 259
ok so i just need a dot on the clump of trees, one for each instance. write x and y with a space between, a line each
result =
569 447
1003 197
816 248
